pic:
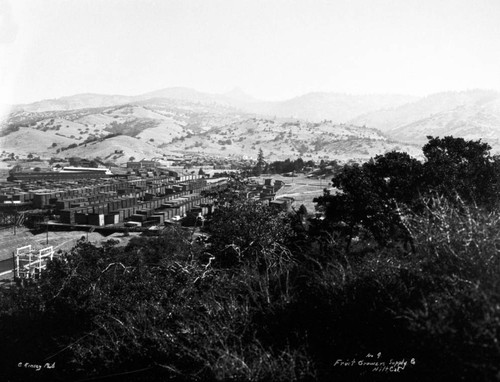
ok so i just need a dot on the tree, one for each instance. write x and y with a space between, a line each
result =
398 175
16 168
456 166
243 230
298 164
287 165
302 210
370 196
259 167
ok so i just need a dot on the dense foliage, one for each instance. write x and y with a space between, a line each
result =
272 296
372 195
287 165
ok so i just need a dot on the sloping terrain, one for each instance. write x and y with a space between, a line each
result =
469 121
336 107
315 126
392 118
78 101
93 132
315 107
281 139
160 126
473 114
117 149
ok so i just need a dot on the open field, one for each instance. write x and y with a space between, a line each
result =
59 240
302 189
63 240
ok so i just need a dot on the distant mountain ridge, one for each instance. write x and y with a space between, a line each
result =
205 125
472 114
73 102
315 107
315 125
337 107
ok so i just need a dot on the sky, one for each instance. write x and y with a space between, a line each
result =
271 49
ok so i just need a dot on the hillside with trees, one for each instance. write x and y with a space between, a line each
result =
402 267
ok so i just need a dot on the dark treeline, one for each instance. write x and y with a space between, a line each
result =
296 166
288 165
404 267
373 194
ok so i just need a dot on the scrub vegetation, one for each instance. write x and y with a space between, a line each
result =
403 267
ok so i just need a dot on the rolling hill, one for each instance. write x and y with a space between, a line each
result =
336 107
312 106
315 126
78 101
473 114
156 126
281 139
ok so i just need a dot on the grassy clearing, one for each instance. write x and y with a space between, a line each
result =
301 188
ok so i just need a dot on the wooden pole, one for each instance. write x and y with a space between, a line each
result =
16 264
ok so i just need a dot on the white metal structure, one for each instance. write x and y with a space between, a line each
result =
29 263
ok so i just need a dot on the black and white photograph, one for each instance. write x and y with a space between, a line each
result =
249 190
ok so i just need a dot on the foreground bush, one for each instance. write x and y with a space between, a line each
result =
439 305
164 308
153 310
458 250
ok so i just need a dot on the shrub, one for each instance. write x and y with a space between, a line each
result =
438 305
268 299
458 247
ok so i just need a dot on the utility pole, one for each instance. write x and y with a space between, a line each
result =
14 268
15 221
46 220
